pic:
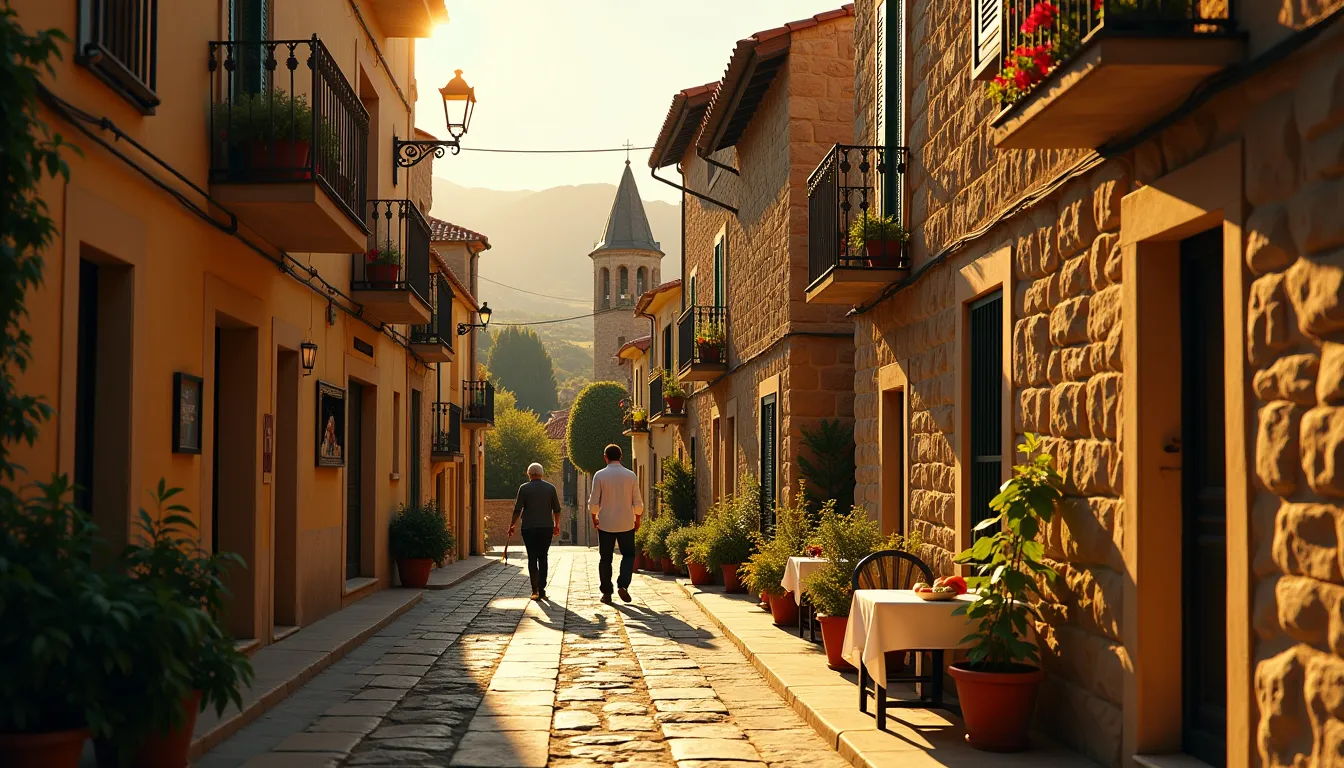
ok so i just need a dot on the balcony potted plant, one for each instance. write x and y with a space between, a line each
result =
845 538
709 342
639 420
419 539
187 639
272 131
997 683
382 265
880 238
674 394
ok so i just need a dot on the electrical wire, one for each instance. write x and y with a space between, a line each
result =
565 319
553 151
532 293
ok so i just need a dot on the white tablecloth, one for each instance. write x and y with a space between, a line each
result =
796 573
882 620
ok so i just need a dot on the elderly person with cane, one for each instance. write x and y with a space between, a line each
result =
538 506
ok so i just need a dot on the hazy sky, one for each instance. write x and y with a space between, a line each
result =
578 74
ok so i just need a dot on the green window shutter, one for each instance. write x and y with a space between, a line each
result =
719 288
891 76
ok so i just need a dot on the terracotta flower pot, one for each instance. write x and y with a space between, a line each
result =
169 750
674 404
730 581
885 254
55 749
281 158
414 571
784 609
997 706
668 568
764 603
382 274
709 353
700 575
833 637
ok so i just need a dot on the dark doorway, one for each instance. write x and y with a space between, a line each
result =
214 455
1204 499
475 512
986 391
354 479
769 408
413 455
233 512
86 385
286 457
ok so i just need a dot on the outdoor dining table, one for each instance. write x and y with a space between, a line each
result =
884 620
795 576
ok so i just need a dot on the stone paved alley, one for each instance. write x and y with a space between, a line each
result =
480 676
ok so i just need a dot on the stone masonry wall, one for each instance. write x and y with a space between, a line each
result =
1294 249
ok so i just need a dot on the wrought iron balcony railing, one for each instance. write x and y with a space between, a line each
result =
398 255
281 112
702 337
851 183
1042 36
447 429
478 398
440 328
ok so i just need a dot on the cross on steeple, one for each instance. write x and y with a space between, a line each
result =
628 146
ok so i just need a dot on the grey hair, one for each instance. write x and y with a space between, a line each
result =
535 470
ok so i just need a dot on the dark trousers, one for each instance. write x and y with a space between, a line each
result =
606 545
538 543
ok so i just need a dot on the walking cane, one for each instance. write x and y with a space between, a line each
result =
508 537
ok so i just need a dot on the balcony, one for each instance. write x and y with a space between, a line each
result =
1081 73
389 277
408 18
433 341
479 399
288 138
660 410
702 343
850 185
447 441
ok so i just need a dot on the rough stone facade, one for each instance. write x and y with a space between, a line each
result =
772 331
1067 367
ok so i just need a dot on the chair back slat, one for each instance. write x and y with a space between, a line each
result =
890 569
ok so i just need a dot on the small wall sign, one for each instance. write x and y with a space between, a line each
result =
330 425
267 446
187 413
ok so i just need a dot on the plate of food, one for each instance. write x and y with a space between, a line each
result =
945 588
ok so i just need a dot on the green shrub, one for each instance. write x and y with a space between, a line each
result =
659 528
764 571
845 539
676 489
517 440
867 228
730 526
595 421
829 473
681 539
420 532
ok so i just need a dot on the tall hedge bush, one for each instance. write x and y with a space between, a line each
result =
596 421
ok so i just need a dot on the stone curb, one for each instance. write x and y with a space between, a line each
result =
489 561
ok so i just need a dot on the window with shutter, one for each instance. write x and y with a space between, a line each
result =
890 96
987 40
118 42
880 76
720 274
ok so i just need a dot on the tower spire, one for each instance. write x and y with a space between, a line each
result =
627 224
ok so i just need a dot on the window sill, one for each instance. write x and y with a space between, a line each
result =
116 76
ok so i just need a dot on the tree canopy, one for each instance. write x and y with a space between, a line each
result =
517 440
520 363
596 421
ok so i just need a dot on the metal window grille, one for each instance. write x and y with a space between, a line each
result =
987 383
118 42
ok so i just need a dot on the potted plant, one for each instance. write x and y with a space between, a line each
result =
764 572
187 661
66 622
642 547
639 419
420 539
997 683
382 265
679 542
709 342
845 538
674 394
727 541
659 528
272 131
880 238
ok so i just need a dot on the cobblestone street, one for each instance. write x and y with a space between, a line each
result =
480 676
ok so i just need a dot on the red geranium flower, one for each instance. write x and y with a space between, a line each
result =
1042 16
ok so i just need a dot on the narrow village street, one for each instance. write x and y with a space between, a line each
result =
472 675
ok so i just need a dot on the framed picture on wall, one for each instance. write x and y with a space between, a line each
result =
330 425
186 413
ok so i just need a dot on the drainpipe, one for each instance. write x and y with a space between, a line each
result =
719 165
654 173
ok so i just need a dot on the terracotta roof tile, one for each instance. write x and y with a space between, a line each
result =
555 426
441 231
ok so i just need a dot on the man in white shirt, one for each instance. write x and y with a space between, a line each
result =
616 507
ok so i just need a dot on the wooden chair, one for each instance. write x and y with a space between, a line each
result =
893 569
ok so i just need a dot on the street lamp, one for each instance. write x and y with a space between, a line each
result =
464 328
459 102
308 357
